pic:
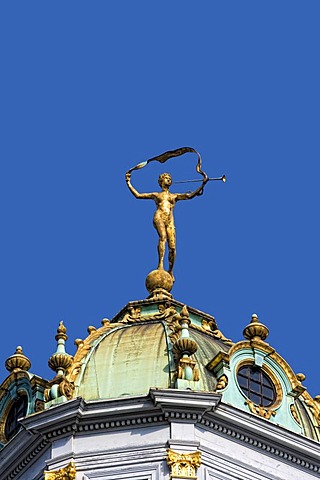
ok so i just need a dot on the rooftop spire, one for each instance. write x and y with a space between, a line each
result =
60 360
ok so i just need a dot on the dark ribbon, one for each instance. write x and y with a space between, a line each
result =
176 153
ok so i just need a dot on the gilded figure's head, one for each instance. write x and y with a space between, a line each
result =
165 179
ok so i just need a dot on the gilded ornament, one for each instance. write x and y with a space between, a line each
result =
66 388
184 346
60 361
105 321
317 399
186 363
167 312
294 413
67 473
91 329
219 335
222 382
183 465
74 371
159 283
18 361
314 406
255 331
211 326
132 316
175 330
213 333
260 410
39 405
208 325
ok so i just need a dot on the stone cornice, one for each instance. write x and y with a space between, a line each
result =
184 405
80 416
159 407
26 447
263 435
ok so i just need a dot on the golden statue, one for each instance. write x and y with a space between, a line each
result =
163 220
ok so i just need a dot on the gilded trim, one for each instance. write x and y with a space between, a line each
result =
259 410
294 413
313 405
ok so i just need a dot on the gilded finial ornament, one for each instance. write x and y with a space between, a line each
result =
163 220
182 350
300 377
59 362
18 361
255 331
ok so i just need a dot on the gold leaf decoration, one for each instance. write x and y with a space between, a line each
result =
183 465
67 473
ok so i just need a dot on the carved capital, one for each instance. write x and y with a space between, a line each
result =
67 473
183 465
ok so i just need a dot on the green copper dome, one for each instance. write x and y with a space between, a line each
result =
130 355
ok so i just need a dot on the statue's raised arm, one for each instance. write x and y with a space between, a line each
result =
135 192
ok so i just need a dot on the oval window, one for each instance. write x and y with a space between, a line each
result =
17 410
256 385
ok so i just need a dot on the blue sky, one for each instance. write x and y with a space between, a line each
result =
88 90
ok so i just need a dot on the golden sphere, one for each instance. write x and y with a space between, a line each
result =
159 279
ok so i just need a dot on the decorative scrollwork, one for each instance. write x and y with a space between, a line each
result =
261 411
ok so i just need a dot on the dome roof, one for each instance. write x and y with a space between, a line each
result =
133 353
161 343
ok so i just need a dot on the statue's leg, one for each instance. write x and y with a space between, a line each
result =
171 232
161 230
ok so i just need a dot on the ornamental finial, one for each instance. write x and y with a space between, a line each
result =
60 361
255 330
18 361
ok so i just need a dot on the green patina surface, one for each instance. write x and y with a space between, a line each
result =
131 359
127 361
